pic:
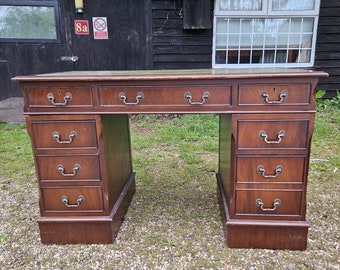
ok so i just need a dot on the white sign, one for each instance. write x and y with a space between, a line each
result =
100 28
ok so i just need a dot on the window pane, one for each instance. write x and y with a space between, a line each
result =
308 24
256 56
27 22
291 5
221 40
264 40
246 39
240 5
245 57
268 56
247 26
233 57
304 56
234 26
221 25
220 57
293 56
281 56
234 40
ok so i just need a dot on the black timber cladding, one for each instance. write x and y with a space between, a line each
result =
197 14
173 46
327 57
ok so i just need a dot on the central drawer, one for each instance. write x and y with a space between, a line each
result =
184 95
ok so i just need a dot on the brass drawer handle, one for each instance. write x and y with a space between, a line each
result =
205 97
262 171
263 135
259 203
80 200
283 96
71 137
67 99
76 169
139 97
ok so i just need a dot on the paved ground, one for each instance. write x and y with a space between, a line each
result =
11 110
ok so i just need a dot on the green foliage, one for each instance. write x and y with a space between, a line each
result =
16 152
329 106
320 94
191 128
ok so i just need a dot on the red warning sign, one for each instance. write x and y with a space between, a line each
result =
100 28
81 27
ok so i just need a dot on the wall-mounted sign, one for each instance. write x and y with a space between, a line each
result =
100 28
81 27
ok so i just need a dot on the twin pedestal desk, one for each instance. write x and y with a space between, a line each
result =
79 127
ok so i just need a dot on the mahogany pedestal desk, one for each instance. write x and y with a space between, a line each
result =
79 128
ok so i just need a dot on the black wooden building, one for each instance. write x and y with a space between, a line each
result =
142 34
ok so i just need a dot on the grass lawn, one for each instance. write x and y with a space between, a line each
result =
174 219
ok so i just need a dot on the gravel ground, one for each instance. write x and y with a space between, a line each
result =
166 226
156 239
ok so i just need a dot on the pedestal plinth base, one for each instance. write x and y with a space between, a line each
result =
270 234
88 229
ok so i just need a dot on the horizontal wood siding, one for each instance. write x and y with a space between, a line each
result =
173 46
327 57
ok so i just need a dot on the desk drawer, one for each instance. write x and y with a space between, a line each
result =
190 95
68 168
268 202
272 133
73 199
59 96
275 94
270 169
64 134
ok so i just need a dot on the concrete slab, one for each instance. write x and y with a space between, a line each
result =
11 110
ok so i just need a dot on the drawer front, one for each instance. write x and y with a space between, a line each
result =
190 95
268 202
64 134
275 94
80 199
270 169
59 97
272 134
68 168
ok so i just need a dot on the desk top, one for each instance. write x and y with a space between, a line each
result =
127 75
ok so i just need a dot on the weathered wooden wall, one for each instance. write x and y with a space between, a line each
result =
328 46
149 34
173 46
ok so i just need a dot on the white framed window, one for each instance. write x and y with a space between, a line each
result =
265 33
